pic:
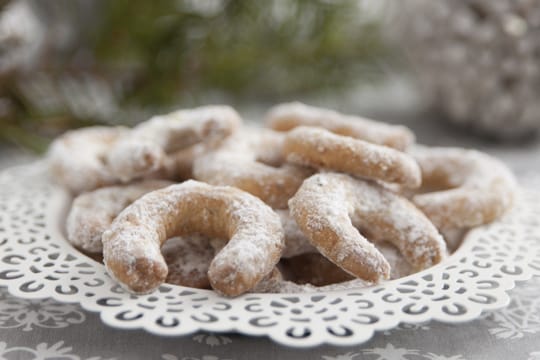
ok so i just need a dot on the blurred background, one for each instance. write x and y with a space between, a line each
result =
428 64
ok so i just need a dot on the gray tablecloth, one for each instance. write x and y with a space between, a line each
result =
45 329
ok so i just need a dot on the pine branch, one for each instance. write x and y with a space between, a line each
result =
149 55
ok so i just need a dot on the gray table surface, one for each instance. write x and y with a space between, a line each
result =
43 329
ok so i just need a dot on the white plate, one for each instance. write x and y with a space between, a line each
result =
37 262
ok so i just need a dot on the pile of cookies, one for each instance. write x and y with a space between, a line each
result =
314 200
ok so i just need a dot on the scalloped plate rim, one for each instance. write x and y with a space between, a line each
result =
89 305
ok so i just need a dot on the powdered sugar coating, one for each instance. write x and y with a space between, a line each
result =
322 149
93 212
131 246
330 207
148 145
287 116
188 259
76 159
477 188
296 243
252 160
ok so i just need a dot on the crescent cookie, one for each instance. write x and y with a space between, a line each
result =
131 246
148 144
298 249
252 161
76 159
476 188
187 258
285 117
93 212
330 207
322 149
